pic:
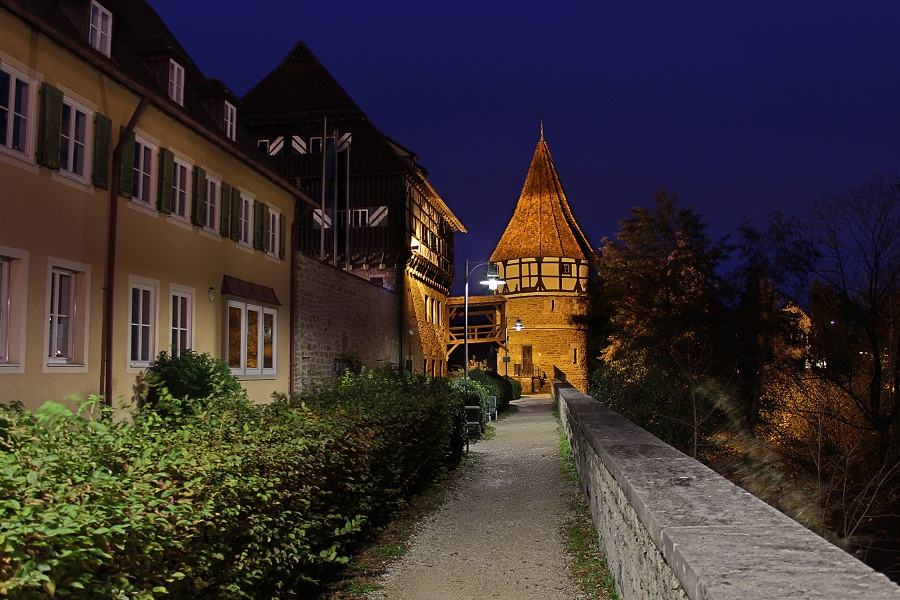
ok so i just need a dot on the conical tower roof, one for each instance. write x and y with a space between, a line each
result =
543 224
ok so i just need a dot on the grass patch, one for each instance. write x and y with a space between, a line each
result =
587 563
388 545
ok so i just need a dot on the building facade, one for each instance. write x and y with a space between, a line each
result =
545 259
138 217
377 216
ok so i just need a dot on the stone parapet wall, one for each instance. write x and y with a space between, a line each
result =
338 316
672 528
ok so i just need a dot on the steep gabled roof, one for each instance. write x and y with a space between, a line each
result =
300 84
543 224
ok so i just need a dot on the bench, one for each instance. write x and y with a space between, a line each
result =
473 423
492 408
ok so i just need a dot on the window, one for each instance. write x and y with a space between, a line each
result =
143 171
245 220
567 269
230 124
264 144
180 186
62 316
252 333
15 110
101 29
176 82
182 314
4 309
360 217
211 204
315 145
73 140
142 342
272 240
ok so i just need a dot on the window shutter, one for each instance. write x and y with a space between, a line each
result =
126 168
166 175
225 211
102 136
235 229
50 126
198 207
281 235
258 209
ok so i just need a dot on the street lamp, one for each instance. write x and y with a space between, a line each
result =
493 282
518 327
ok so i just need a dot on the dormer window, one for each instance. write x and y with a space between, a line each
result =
176 82
101 29
230 122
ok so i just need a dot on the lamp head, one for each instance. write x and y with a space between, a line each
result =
518 326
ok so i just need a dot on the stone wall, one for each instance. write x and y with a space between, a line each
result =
555 342
338 316
672 528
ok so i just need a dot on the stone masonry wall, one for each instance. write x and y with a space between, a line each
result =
672 528
340 315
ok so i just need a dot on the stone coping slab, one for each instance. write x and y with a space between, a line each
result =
721 542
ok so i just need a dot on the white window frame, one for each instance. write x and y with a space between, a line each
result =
146 330
273 241
212 204
181 184
101 29
176 82
144 172
238 364
17 110
230 121
70 146
245 221
13 305
360 217
62 308
74 356
181 328
5 268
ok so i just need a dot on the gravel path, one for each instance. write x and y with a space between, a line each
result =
498 534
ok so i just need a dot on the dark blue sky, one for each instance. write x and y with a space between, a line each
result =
736 106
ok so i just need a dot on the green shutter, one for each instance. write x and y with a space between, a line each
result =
126 168
235 214
258 210
281 235
198 206
102 137
166 176
50 126
225 211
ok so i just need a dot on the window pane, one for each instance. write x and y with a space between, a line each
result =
268 341
252 339
20 118
235 326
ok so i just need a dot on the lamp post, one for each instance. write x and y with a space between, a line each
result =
518 327
493 282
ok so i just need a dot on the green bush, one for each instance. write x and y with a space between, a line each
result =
189 376
493 385
470 393
516 387
226 500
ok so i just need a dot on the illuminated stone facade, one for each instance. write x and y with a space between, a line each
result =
545 260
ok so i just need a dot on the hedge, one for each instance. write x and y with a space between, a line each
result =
225 500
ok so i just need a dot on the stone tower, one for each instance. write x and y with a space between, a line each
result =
545 259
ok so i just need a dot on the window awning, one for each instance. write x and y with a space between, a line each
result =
249 290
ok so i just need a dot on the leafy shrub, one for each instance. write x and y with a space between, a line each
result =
189 376
226 500
493 385
470 393
516 387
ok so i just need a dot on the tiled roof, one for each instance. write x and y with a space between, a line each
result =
543 224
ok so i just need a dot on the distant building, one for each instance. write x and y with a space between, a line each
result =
545 259
137 216
377 216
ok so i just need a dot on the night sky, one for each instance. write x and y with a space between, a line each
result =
736 106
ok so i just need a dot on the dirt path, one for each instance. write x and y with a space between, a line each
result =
498 534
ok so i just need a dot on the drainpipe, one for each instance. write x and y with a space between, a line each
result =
109 300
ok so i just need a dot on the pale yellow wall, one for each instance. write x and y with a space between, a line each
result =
428 340
47 215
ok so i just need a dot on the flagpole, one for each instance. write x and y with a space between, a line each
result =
322 223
